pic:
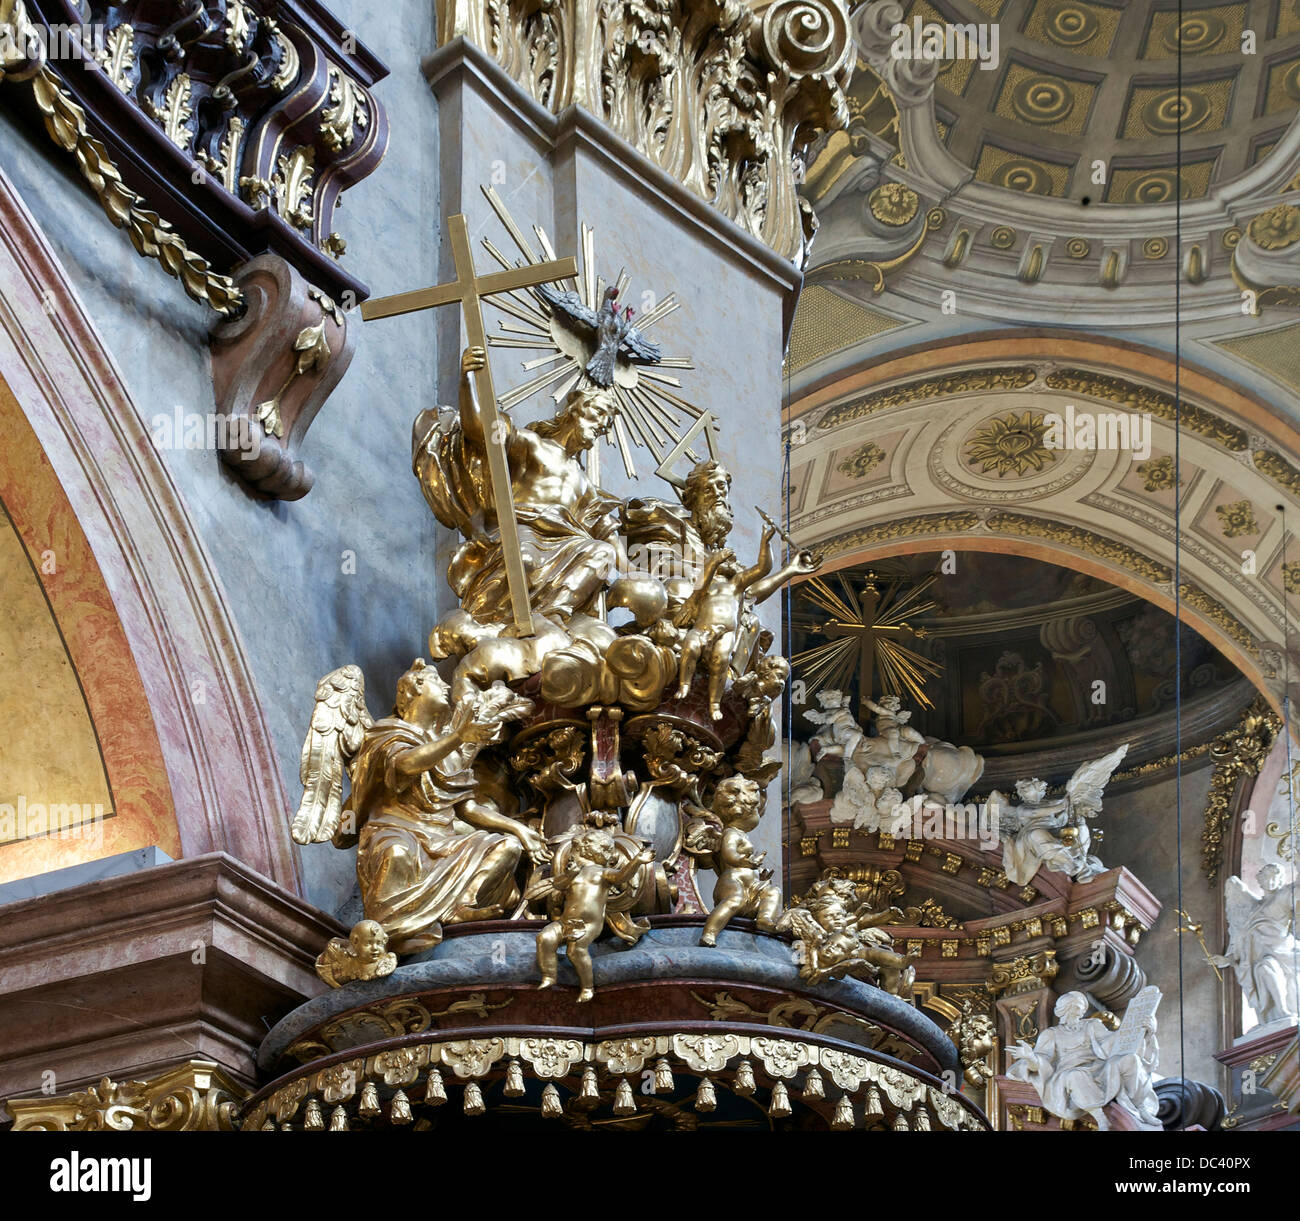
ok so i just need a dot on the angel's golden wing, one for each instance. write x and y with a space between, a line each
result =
338 723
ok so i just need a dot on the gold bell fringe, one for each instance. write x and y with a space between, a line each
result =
843 1121
474 1099
624 1103
551 1108
369 1104
399 1110
780 1104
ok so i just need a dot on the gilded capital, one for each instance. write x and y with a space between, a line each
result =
198 1096
726 97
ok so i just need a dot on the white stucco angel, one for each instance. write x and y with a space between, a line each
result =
1079 1067
867 800
1262 948
1054 834
840 735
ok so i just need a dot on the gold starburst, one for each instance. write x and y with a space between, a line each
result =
652 415
853 620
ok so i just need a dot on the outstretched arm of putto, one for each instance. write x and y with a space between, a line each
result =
763 565
616 877
802 564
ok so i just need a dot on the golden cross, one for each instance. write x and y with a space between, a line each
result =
469 288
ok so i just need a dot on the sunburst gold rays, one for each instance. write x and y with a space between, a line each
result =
652 415
875 621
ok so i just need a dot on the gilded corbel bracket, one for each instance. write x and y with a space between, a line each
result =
272 369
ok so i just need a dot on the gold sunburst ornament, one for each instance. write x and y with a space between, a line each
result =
1010 443
585 336
864 629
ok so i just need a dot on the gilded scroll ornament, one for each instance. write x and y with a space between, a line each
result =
725 97
210 81
1238 755
1014 377
1144 399
22 61
197 1096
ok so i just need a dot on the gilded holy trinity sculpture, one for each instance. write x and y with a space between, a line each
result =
572 771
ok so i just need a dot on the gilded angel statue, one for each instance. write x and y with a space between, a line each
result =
1055 834
432 847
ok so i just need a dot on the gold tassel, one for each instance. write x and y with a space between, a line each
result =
744 1082
338 1120
812 1086
780 1106
663 1076
474 1099
900 1122
706 1097
311 1117
551 1108
514 1087
843 1121
369 1104
921 1121
624 1103
874 1109
399 1110
589 1092
435 1093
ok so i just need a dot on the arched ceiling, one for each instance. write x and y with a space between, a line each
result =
1036 660
944 446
